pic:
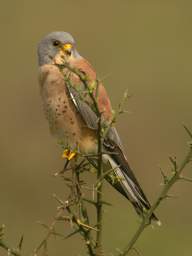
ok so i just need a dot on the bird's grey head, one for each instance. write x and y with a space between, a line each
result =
53 43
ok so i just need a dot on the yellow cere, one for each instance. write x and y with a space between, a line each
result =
67 47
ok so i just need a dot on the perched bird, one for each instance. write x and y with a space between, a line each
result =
72 118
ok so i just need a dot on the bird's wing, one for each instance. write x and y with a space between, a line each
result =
85 111
89 116
122 178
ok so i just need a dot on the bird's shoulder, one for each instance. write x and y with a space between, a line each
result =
103 99
84 66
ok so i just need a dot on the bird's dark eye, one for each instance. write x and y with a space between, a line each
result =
56 43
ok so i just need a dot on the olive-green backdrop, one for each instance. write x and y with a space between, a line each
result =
144 46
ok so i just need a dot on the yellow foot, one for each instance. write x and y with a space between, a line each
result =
68 154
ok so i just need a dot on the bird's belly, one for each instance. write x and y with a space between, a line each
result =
67 126
63 121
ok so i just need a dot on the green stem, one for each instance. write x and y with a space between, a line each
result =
84 79
8 249
99 204
163 194
84 232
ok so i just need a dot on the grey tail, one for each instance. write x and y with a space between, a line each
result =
123 179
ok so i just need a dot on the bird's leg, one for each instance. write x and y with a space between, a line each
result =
68 155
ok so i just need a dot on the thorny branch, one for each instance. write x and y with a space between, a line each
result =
81 221
168 182
92 91
74 211
74 207
99 203
3 244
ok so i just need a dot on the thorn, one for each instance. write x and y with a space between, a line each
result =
43 224
68 179
93 192
106 203
188 131
85 225
137 251
57 234
21 243
2 231
126 95
159 223
174 163
9 252
55 174
165 177
63 218
72 234
119 251
95 203
170 196
89 201
59 200
185 178
71 223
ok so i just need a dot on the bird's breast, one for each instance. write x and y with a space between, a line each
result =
61 115
64 121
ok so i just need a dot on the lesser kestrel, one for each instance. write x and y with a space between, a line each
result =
73 121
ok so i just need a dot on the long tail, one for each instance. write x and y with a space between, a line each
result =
123 179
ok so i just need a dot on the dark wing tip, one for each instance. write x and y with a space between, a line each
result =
138 198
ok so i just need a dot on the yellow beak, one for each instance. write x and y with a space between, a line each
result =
66 47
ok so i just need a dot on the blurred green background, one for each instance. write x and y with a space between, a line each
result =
144 46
